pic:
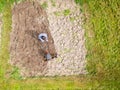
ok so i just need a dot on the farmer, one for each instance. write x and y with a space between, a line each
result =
44 39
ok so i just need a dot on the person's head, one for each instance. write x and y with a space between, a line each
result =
43 37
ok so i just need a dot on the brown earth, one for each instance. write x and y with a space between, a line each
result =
65 25
28 21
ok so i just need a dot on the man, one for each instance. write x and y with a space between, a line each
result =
44 39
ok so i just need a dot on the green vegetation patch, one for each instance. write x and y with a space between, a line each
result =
83 2
4 53
66 12
5 67
72 19
101 23
103 38
58 13
44 5
53 2
15 73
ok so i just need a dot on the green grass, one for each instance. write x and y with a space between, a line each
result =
72 19
53 2
103 38
57 13
101 25
4 2
44 5
66 12
4 53
82 2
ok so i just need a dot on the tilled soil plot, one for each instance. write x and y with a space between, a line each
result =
65 24
29 20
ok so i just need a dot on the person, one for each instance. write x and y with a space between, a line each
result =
44 39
